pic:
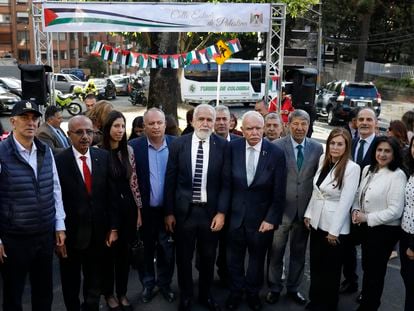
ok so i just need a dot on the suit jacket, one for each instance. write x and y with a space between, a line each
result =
140 146
49 137
179 178
299 183
88 217
367 158
264 199
328 208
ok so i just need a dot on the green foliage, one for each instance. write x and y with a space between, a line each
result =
394 83
95 64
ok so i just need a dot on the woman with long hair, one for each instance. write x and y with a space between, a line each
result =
98 114
407 238
377 210
129 199
398 130
327 216
408 119
137 129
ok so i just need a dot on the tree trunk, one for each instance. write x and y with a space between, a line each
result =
164 90
362 48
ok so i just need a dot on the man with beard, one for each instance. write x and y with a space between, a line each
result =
196 201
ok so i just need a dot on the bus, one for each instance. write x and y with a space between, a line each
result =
242 82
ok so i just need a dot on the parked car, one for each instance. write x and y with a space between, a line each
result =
13 85
66 82
76 72
335 101
122 85
7 100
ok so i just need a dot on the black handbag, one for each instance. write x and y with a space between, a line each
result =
137 252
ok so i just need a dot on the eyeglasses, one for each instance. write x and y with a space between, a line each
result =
80 133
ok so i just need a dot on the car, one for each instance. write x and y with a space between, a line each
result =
335 101
12 85
122 85
7 100
106 88
66 82
76 72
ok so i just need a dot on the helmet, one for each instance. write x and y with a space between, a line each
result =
77 90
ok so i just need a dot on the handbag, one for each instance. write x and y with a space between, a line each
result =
137 252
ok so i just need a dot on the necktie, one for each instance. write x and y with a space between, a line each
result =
356 134
251 170
299 157
62 139
198 174
360 154
86 175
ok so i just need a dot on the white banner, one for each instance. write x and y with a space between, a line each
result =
155 17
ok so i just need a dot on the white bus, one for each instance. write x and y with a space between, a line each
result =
242 81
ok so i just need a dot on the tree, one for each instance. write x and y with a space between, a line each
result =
95 64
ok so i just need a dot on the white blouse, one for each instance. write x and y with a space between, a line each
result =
407 222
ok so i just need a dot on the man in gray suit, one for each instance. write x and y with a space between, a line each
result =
302 159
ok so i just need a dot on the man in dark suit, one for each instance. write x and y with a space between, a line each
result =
196 202
298 193
352 125
151 156
361 154
91 219
258 183
50 132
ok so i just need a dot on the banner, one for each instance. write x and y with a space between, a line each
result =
155 17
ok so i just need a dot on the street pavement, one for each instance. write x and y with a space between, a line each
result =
394 291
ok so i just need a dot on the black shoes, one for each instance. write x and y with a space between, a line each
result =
233 301
210 304
147 295
185 304
296 297
272 297
359 298
254 303
348 287
168 294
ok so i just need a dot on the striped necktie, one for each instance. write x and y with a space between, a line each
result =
198 174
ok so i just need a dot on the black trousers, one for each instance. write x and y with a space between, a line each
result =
377 244
157 244
116 269
89 262
350 257
221 262
240 241
195 229
28 255
407 272
325 270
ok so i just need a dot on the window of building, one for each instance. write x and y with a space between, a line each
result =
59 35
21 1
23 37
4 18
22 17
6 38
24 55
4 2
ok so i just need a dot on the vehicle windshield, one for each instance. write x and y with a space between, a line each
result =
360 90
14 84
2 90
73 77
100 82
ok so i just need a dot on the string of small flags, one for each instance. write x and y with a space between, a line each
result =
142 60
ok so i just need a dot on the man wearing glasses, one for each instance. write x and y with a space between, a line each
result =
91 223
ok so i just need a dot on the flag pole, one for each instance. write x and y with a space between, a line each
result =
218 84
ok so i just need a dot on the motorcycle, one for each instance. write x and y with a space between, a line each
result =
137 97
65 101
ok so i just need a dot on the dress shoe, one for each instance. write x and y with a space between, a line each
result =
168 294
359 298
185 304
254 303
348 287
124 303
297 297
233 301
272 297
112 303
210 304
147 294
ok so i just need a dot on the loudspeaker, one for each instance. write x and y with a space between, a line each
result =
34 84
303 88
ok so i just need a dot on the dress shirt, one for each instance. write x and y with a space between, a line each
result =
31 157
228 138
61 137
206 150
367 144
257 148
295 150
407 222
157 159
79 162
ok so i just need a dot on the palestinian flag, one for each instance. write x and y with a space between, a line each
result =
212 52
202 54
124 57
191 58
143 60
106 52
114 55
234 45
96 48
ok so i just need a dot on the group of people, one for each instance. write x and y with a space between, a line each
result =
209 197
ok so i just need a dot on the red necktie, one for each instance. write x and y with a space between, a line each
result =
86 175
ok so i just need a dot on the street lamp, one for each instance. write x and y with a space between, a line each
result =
25 40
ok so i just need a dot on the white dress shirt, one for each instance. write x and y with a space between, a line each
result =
257 148
368 142
79 162
206 150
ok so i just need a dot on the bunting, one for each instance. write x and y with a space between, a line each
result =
141 60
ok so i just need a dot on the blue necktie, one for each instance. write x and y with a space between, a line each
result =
62 139
299 157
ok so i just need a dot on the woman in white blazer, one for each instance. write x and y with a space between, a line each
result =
328 217
377 209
